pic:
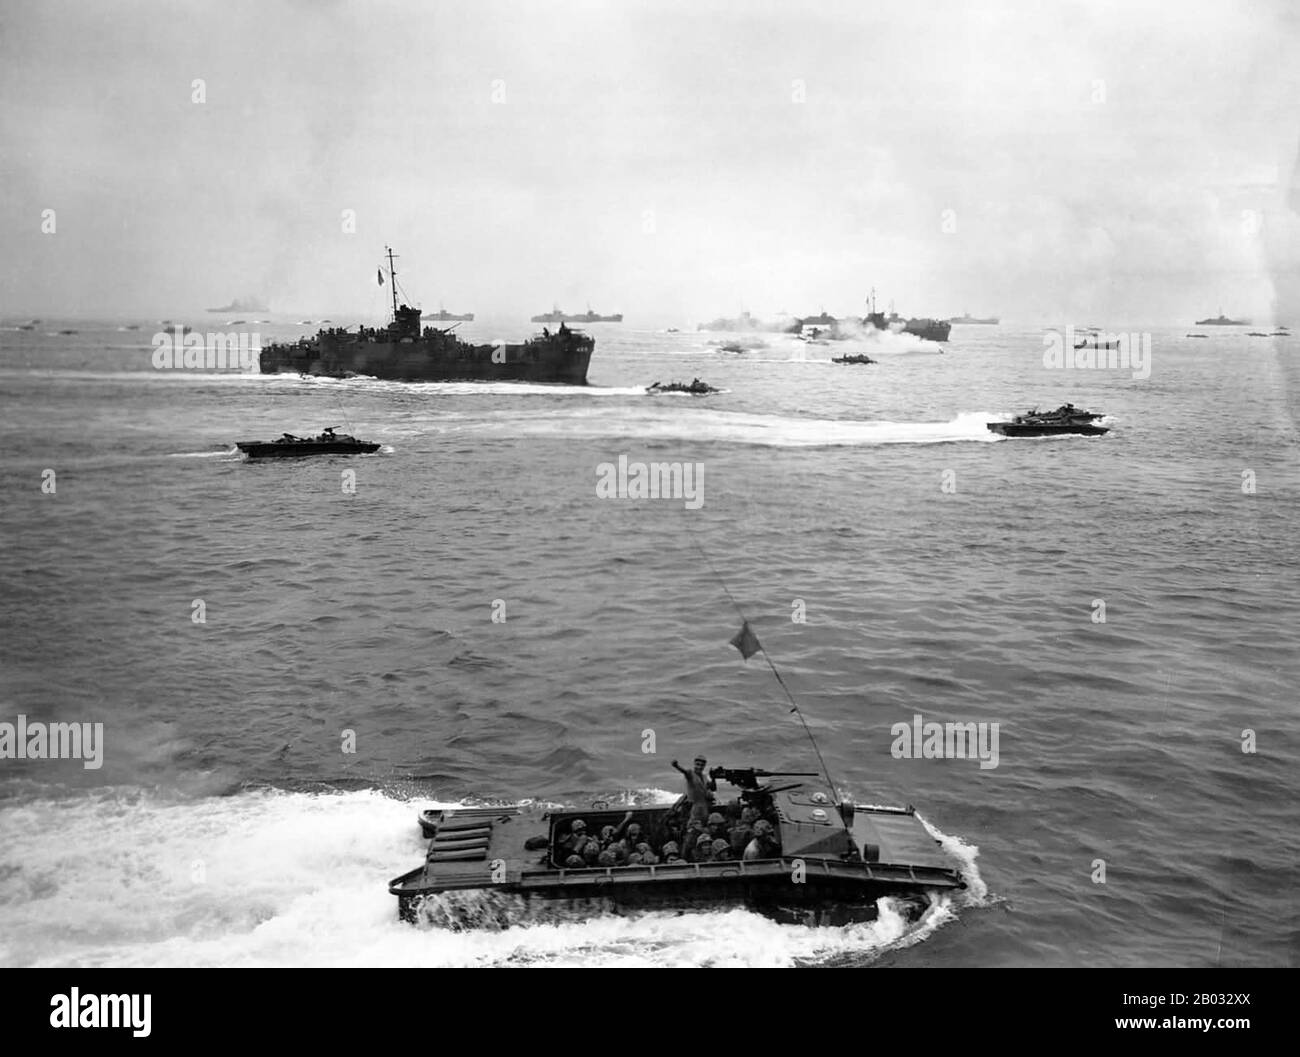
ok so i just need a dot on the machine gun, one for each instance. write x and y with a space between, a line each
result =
747 777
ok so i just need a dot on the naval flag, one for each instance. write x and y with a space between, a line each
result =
379 274
746 641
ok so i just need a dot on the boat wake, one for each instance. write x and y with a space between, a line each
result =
268 878
224 453
730 427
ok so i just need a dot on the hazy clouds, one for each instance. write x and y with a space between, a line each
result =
671 161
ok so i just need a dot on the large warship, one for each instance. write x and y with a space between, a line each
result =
1222 321
967 318
403 352
556 316
443 316
243 304
922 327
822 319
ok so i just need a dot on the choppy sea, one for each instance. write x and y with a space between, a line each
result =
1143 809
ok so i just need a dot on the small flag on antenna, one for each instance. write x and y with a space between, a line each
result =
746 641
379 274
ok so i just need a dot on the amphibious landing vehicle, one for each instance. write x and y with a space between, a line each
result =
695 388
818 862
1065 419
291 447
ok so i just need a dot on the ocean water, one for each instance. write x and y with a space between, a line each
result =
942 572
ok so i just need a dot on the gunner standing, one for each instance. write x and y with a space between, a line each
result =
699 789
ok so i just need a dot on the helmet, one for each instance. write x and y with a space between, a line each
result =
574 862
716 820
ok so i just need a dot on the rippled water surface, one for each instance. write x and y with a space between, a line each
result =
943 571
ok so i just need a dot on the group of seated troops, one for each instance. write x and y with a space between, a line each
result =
740 833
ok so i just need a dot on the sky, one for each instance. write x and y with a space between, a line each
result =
1090 163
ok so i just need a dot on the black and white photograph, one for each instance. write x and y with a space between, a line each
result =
649 484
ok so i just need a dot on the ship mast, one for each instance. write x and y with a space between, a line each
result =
392 279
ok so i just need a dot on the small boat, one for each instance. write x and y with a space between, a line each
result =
696 388
1258 334
1196 335
68 332
291 447
1065 419
857 358
847 856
